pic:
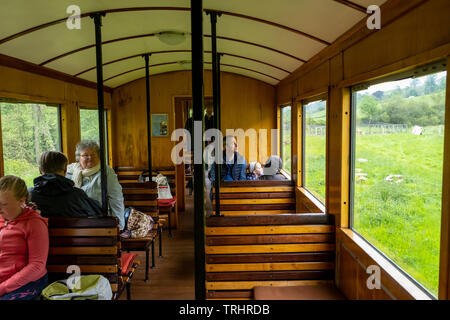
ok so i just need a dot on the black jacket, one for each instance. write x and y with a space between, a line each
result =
56 195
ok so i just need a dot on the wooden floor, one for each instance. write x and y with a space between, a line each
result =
173 276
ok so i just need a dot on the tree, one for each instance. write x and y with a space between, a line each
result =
430 84
369 108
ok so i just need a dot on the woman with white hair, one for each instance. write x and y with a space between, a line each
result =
86 175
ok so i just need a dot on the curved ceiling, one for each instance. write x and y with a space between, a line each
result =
262 39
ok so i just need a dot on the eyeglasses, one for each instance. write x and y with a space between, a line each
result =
88 156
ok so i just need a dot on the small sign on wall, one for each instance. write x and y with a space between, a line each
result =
160 125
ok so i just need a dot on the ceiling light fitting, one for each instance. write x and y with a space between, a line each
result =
171 38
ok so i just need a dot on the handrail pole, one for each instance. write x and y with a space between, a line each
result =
149 122
101 108
199 172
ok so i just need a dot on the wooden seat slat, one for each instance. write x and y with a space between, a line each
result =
271 275
252 230
254 201
81 260
308 247
85 241
84 268
270 257
275 266
255 189
141 203
249 285
265 220
82 232
83 250
270 239
258 207
85 222
253 212
257 195
140 191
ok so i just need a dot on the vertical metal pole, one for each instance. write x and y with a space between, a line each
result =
101 108
149 121
199 173
216 89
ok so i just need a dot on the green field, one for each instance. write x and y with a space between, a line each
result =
315 151
402 219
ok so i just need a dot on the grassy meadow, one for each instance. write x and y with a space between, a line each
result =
402 219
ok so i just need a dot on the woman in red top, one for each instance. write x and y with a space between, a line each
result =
23 243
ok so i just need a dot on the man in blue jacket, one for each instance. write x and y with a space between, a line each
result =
233 165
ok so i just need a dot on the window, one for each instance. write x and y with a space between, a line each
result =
314 147
397 163
28 129
89 127
286 142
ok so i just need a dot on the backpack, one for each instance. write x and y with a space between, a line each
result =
89 287
138 223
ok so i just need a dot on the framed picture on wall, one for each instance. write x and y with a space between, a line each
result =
160 125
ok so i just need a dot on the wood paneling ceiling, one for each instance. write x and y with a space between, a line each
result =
262 39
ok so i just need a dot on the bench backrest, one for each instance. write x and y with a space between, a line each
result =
127 175
92 244
256 197
267 250
143 196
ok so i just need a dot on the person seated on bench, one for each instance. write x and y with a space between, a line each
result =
86 175
24 243
255 171
234 165
55 195
272 169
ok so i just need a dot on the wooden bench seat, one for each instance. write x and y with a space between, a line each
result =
246 251
93 245
315 292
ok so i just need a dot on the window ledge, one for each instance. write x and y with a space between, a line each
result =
397 277
311 202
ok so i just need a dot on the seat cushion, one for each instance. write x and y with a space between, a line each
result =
167 202
313 292
127 261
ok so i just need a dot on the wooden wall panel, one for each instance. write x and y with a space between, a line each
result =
238 94
422 29
314 80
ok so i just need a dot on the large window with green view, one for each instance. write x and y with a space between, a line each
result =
397 163
285 138
28 129
89 127
314 147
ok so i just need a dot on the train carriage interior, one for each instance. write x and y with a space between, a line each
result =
333 117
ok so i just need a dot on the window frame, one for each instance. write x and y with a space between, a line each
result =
284 172
304 102
427 69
